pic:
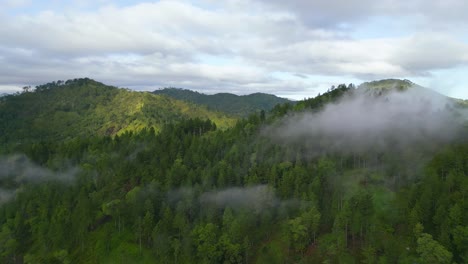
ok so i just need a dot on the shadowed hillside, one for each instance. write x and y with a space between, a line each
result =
229 103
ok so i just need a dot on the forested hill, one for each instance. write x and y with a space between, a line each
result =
382 87
226 102
389 84
84 107
346 177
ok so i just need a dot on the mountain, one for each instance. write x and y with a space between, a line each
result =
226 102
349 176
84 107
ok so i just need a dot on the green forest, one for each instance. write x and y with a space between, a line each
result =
96 174
226 102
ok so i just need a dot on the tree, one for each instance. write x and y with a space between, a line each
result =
298 233
311 219
26 89
8 244
431 252
460 240
206 243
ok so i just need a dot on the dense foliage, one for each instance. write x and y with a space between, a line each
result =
225 102
192 193
83 107
388 84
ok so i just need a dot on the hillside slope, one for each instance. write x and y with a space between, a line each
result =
229 103
345 177
83 107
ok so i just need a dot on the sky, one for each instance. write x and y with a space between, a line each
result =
294 49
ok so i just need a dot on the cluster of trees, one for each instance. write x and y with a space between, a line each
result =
192 193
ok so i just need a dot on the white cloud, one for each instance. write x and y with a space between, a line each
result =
336 13
8 89
396 121
14 3
156 44
424 52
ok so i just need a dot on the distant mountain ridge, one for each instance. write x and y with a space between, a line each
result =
84 107
240 105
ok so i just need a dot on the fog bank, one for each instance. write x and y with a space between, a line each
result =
373 119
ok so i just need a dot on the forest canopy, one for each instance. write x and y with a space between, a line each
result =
354 175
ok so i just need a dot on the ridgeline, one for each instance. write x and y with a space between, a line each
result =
232 104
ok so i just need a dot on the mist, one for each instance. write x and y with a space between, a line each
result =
6 195
256 198
18 169
372 119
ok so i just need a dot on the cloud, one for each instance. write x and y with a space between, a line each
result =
335 13
6 195
149 45
364 121
15 3
21 169
176 195
367 59
150 71
8 89
256 198
17 169
325 13
424 52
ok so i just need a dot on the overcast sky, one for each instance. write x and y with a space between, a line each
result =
294 48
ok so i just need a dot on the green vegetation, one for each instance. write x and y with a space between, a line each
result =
189 192
226 102
388 84
83 107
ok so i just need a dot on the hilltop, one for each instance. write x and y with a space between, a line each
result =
388 84
385 86
240 105
84 107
